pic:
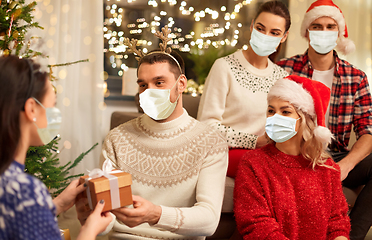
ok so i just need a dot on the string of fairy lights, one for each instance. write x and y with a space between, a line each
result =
213 35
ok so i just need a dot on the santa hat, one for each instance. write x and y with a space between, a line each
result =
326 8
309 96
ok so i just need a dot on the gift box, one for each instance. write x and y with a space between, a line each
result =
65 234
114 189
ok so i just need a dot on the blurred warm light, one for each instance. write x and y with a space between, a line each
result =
67 144
224 26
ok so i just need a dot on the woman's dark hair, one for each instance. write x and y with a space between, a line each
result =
281 10
20 79
156 56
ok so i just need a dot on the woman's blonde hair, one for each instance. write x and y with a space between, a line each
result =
311 147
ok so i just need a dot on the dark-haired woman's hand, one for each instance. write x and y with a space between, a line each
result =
66 199
96 223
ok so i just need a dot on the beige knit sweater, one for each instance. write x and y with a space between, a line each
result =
179 165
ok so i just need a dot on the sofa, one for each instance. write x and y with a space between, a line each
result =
227 226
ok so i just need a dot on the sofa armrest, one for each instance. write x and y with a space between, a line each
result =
228 197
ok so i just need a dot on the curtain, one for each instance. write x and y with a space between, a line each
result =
358 16
73 31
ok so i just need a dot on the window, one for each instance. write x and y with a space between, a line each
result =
208 28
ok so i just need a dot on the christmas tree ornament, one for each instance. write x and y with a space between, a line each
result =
17 13
10 25
12 5
15 34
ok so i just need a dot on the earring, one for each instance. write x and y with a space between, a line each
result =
34 119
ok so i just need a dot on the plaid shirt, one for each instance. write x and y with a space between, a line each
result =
350 98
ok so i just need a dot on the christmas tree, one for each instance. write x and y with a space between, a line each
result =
15 20
43 163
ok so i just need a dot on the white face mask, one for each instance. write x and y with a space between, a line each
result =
280 128
156 102
262 44
323 41
54 120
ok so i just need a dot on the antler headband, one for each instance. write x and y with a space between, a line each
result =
163 35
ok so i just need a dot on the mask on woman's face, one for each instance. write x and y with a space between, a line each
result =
280 128
262 44
54 120
156 102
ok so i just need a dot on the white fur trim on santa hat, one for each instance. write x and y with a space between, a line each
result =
293 92
323 134
323 11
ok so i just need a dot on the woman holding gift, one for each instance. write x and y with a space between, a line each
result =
29 118
291 189
234 96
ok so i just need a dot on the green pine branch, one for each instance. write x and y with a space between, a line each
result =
204 59
68 64
43 163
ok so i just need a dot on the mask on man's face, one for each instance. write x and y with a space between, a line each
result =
156 102
54 120
323 41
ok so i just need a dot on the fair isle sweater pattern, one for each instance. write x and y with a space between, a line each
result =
173 160
141 126
27 210
250 81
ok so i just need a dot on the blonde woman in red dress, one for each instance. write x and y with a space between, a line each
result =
291 189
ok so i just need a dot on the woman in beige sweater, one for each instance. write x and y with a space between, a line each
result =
234 97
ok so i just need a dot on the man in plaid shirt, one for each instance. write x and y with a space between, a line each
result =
350 102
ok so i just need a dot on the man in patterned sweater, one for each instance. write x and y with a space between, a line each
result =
178 165
350 103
